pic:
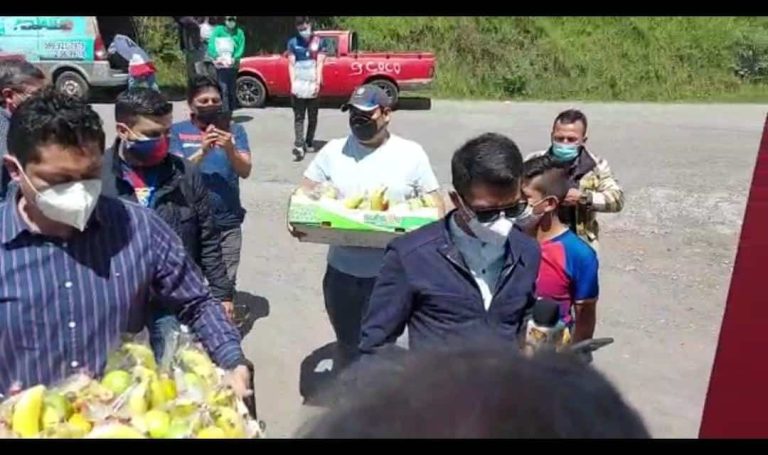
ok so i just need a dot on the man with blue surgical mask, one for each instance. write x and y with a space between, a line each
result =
306 55
139 168
469 277
593 188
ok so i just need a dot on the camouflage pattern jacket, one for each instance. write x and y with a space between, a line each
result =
601 193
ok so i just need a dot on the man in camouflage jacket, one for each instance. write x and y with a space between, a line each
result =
593 186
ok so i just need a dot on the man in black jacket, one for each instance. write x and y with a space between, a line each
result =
469 277
139 168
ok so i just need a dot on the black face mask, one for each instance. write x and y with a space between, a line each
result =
208 114
363 127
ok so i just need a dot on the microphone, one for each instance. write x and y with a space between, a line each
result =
545 329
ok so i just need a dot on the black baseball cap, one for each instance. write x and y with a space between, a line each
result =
367 98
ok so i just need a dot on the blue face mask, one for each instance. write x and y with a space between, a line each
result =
564 152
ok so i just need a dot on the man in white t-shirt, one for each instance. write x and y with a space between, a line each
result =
368 158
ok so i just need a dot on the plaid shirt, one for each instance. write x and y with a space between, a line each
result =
594 178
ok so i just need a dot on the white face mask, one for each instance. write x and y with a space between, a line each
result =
71 203
306 33
493 232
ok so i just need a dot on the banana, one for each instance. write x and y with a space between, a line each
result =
211 433
168 386
379 200
428 201
51 417
330 193
141 354
196 362
138 399
115 431
80 425
180 428
353 202
27 412
230 421
224 396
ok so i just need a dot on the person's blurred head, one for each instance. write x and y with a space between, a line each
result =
304 27
569 134
478 393
55 148
230 22
545 184
19 79
143 121
204 99
370 112
487 172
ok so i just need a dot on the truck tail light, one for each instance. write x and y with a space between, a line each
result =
99 51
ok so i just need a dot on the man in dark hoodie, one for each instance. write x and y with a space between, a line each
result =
139 168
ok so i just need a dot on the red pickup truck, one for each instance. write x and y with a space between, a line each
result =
264 76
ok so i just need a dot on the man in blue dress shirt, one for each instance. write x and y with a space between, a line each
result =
76 268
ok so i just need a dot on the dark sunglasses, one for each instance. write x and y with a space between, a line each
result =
511 211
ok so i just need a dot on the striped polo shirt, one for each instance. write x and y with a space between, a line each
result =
65 303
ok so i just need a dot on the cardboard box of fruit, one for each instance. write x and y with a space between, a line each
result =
367 220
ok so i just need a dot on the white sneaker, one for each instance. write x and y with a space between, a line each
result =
298 152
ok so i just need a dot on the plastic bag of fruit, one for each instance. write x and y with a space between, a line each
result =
134 399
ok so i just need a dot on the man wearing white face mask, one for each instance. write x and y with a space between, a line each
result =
468 278
593 188
77 269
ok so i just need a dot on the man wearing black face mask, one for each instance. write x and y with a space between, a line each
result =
139 168
369 158
468 278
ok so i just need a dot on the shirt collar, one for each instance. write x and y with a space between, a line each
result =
472 246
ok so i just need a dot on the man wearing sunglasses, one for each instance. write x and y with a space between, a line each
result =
369 158
569 267
468 278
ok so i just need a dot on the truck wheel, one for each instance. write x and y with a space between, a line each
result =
250 92
72 84
389 88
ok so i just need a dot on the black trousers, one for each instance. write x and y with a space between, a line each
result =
346 301
304 107
227 80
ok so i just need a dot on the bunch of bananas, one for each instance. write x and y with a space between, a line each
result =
134 399
376 201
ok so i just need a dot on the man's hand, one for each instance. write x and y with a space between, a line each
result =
294 233
573 197
224 140
240 380
209 139
229 309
